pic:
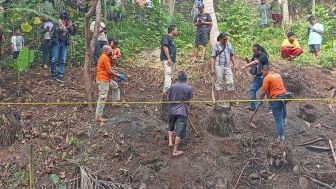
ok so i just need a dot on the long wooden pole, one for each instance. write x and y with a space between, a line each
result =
333 151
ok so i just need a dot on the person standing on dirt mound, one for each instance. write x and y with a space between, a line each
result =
104 79
203 23
178 112
222 63
60 42
168 57
259 59
274 87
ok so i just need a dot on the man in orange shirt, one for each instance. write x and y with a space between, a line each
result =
290 47
115 51
104 76
274 87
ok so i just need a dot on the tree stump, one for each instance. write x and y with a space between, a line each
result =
279 155
221 121
9 128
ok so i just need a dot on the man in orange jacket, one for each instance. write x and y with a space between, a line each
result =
104 79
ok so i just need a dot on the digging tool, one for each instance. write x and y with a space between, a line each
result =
192 126
254 113
213 91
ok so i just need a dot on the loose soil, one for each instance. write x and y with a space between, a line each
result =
132 148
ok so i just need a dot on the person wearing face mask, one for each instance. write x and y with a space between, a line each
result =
104 78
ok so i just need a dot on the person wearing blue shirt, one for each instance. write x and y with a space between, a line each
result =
315 31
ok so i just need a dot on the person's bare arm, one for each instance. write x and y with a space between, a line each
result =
113 73
166 51
251 63
262 94
212 66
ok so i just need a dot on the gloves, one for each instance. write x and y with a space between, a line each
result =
122 76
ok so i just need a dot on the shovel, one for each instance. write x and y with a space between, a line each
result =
254 113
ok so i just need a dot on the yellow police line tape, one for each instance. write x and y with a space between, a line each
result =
166 102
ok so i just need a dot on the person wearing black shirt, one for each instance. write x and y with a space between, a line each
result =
168 56
259 59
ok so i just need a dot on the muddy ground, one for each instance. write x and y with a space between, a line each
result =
132 147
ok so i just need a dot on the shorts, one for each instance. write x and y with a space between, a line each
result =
314 47
221 73
277 17
16 54
202 38
178 123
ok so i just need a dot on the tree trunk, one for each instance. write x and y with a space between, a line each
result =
105 8
90 47
285 12
171 5
221 122
313 7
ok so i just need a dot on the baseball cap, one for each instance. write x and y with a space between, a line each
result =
200 5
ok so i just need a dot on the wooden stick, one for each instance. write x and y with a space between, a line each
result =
212 91
192 126
311 142
241 173
319 148
319 182
333 151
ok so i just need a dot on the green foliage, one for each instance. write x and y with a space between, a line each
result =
57 181
19 178
240 21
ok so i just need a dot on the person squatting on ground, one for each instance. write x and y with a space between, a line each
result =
101 40
259 59
17 42
60 41
46 31
315 31
290 47
203 23
222 63
274 87
104 79
168 57
115 51
178 112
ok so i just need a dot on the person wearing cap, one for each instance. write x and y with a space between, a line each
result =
222 63
179 111
115 51
104 79
101 40
203 23
168 57
315 31
290 47
273 86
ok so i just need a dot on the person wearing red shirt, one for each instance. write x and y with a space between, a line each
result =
104 79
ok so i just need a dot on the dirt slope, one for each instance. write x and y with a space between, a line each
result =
132 147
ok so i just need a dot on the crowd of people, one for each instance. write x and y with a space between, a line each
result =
222 67
56 40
